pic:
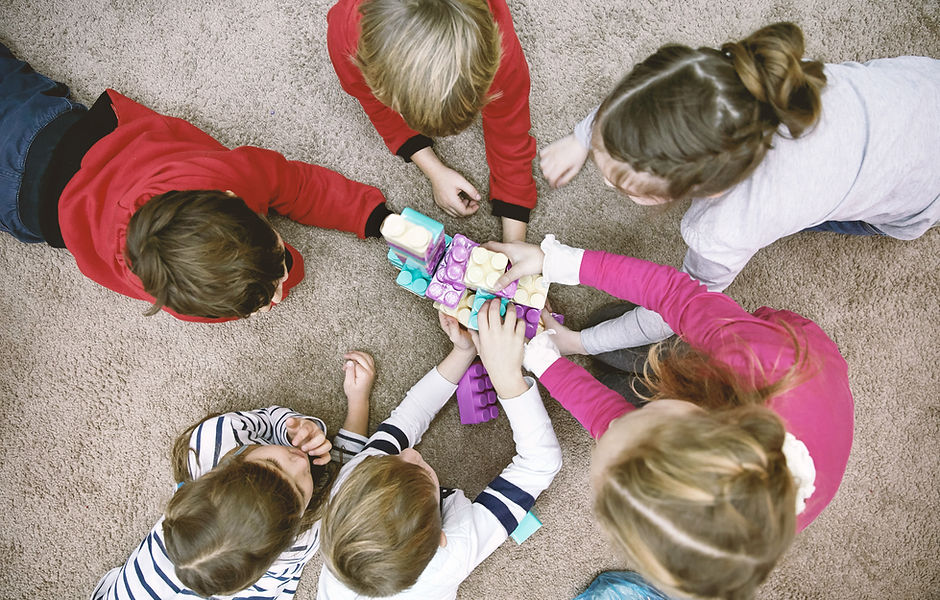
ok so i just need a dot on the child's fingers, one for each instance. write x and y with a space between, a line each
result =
475 338
361 359
321 460
315 444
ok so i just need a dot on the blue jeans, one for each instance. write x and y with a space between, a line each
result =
847 227
28 103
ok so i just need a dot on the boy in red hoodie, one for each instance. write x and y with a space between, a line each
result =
154 208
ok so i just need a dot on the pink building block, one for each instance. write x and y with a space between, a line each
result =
476 398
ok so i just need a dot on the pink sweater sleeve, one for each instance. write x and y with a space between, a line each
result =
589 401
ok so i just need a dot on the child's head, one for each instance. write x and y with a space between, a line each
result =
695 122
694 487
225 529
204 253
383 526
432 61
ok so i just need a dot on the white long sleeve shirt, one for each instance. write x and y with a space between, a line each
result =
149 574
474 529
872 157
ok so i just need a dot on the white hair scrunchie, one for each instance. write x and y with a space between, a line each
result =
802 469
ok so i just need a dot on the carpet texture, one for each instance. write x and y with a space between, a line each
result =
92 393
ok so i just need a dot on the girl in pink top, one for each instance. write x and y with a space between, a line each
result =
745 439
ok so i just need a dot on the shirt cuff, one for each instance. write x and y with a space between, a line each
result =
510 211
562 263
541 353
584 129
374 223
412 145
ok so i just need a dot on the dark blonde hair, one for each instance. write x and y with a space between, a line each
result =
704 503
225 529
432 61
383 526
703 119
204 253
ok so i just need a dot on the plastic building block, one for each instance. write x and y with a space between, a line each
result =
413 279
463 309
532 318
479 299
397 261
484 268
413 235
476 398
527 526
443 292
532 291
454 266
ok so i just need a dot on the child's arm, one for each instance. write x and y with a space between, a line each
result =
561 160
349 441
510 148
214 437
498 509
408 422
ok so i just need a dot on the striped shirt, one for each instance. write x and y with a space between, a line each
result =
474 529
149 574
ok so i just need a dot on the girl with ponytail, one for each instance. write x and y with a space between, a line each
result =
766 144
735 437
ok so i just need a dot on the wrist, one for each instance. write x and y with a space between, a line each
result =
513 388
427 161
513 230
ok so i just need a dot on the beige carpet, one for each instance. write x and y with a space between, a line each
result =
92 393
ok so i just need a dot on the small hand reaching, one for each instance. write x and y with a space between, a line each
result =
526 259
500 344
360 375
453 193
304 434
567 340
562 160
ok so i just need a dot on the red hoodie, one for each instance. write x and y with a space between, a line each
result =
506 123
149 154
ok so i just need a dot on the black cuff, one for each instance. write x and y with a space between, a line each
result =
375 220
510 211
412 145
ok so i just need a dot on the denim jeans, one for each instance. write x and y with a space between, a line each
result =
28 103
847 227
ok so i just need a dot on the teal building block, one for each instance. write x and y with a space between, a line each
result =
412 279
436 228
478 300
395 259
527 526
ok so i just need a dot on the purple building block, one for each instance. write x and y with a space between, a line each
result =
454 266
532 316
476 398
443 292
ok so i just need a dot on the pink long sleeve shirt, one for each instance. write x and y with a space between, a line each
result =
819 412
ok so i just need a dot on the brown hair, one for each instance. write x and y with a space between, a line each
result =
383 526
204 253
225 529
704 504
432 61
703 119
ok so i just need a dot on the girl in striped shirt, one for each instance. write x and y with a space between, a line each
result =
245 517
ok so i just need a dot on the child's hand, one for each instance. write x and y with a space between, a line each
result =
567 340
457 333
304 434
500 344
447 185
360 375
526 259
562 160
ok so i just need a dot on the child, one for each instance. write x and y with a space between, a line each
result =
767 144
426 68
389 530
745 439
154 208
244 519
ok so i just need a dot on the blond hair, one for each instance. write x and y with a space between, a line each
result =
702 119
383 526
225 529
704 503
432 61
